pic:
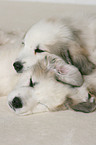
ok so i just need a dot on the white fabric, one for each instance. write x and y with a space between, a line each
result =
53 128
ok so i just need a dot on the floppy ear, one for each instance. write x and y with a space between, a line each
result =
68 74
73 52
77 56
63 72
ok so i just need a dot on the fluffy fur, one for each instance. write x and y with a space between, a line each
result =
45 93
74 44
10 45
74 40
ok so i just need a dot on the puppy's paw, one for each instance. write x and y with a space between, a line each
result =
86 107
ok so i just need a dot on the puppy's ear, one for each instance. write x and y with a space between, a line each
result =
78 56
68 74
63 72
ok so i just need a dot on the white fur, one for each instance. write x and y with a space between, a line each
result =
47 94
53 30
42 33
43 97
9 49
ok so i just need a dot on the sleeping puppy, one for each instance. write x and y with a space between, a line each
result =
46 87
74 40
10 45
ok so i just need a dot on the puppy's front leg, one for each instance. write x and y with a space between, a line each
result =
86 107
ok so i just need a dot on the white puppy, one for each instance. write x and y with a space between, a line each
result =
42 89
65 37
74 40
10 46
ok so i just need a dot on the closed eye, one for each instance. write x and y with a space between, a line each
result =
37 50
23 43
32 84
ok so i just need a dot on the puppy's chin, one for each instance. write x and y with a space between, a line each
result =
18 112
40 108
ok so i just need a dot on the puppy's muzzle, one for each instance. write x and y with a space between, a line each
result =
18 66
16 103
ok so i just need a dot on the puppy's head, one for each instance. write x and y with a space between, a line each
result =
34 47
25 99
54 37
40 96
36 43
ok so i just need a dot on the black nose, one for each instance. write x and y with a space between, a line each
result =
18 66
17 103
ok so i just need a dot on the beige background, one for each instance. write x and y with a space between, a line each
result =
58 128
92 2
